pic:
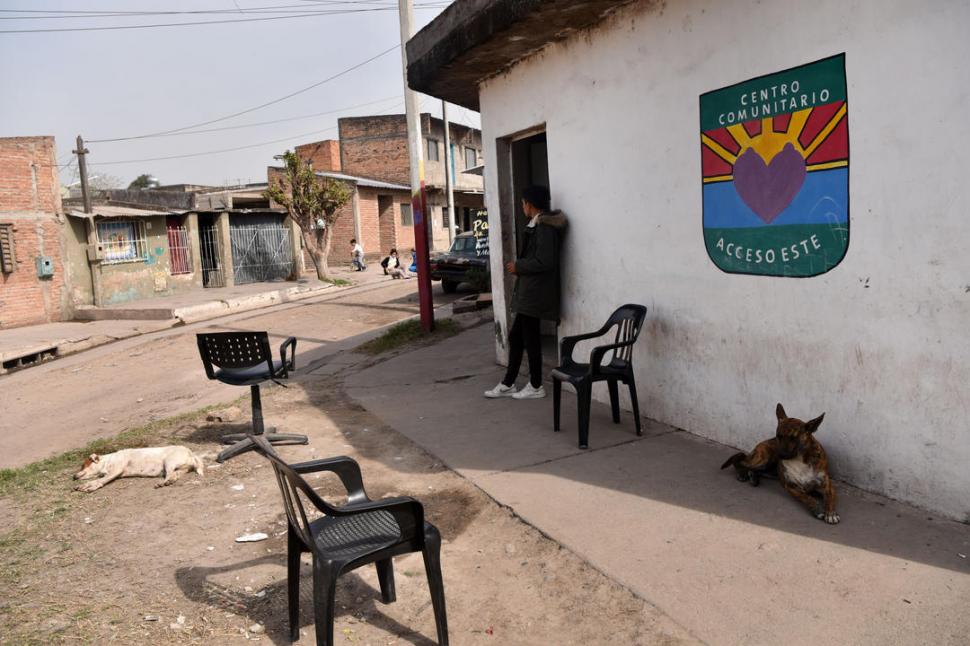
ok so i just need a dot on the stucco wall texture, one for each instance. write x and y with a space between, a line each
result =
879 342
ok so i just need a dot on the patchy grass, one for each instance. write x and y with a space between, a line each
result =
339 282
408 332
29 478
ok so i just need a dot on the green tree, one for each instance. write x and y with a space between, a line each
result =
143 181
314 204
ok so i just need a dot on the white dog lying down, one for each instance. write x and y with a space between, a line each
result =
170 461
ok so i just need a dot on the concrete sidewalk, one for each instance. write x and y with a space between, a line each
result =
26 346
731 563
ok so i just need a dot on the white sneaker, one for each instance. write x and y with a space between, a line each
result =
500 391
528 392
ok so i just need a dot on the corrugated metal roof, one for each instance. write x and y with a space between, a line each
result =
110 211
364 181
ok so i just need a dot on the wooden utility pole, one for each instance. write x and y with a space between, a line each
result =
94 261
83 167
449 164
419 202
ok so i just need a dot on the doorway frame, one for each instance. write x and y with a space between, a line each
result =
510 210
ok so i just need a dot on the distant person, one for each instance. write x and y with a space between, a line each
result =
393 267
357 255
536 293
414 262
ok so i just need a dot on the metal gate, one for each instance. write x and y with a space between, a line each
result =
211 252
260 252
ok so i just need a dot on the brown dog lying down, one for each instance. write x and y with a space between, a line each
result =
170 461
799 461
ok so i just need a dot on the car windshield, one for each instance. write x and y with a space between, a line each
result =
463 246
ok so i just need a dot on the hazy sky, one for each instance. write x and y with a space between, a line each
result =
123 83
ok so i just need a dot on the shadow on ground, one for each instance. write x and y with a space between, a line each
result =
198 584
435 397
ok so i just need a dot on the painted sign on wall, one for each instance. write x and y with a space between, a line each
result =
775 165
480 231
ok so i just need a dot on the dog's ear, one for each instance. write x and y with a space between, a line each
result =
780 412
94 457
812 425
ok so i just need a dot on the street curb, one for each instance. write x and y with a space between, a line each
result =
44 352
215 309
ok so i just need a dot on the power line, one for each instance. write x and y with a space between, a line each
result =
258 123
65 14
258 107
216 152
335 12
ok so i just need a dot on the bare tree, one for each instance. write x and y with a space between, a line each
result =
313 202
105 182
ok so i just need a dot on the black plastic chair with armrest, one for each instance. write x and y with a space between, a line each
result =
628 320
245 359
345 538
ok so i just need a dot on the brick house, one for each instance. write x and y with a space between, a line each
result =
32 230
372 154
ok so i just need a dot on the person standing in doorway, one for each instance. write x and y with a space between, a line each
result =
357 255
535 296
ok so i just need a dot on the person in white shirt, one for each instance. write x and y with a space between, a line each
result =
357 255
393 266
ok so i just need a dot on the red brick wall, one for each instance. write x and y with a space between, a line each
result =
385 222
30 201
375 147
370 232
324 155
28 175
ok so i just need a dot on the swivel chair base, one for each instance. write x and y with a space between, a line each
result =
241 442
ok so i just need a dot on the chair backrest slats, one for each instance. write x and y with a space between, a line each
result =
302 529
628 320
292 485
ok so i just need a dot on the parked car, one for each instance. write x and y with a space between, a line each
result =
461 264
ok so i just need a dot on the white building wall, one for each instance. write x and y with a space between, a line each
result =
879 343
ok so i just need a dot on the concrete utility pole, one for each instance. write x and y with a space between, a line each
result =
449 164
419 200
83 167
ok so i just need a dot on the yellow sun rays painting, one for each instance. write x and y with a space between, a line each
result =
774 158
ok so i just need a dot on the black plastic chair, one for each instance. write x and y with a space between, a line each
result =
345 538
628 320
245 359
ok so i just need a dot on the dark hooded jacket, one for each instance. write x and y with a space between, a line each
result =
537 268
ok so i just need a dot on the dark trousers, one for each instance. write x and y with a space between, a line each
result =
524 335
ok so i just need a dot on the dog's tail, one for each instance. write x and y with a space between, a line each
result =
199 464
734 459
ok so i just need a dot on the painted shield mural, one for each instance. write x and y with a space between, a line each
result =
775 164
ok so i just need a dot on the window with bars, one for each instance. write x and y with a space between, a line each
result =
445 218
122 241
7 261
433 150
407 218
471 157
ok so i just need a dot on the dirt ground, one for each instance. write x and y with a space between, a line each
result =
131 564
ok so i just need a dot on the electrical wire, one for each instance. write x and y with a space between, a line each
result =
313 14
258 107
258 123
216 152
66 14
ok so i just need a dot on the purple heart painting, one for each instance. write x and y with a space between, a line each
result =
768 189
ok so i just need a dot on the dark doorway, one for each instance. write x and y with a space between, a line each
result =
530 167
522 161
211 252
